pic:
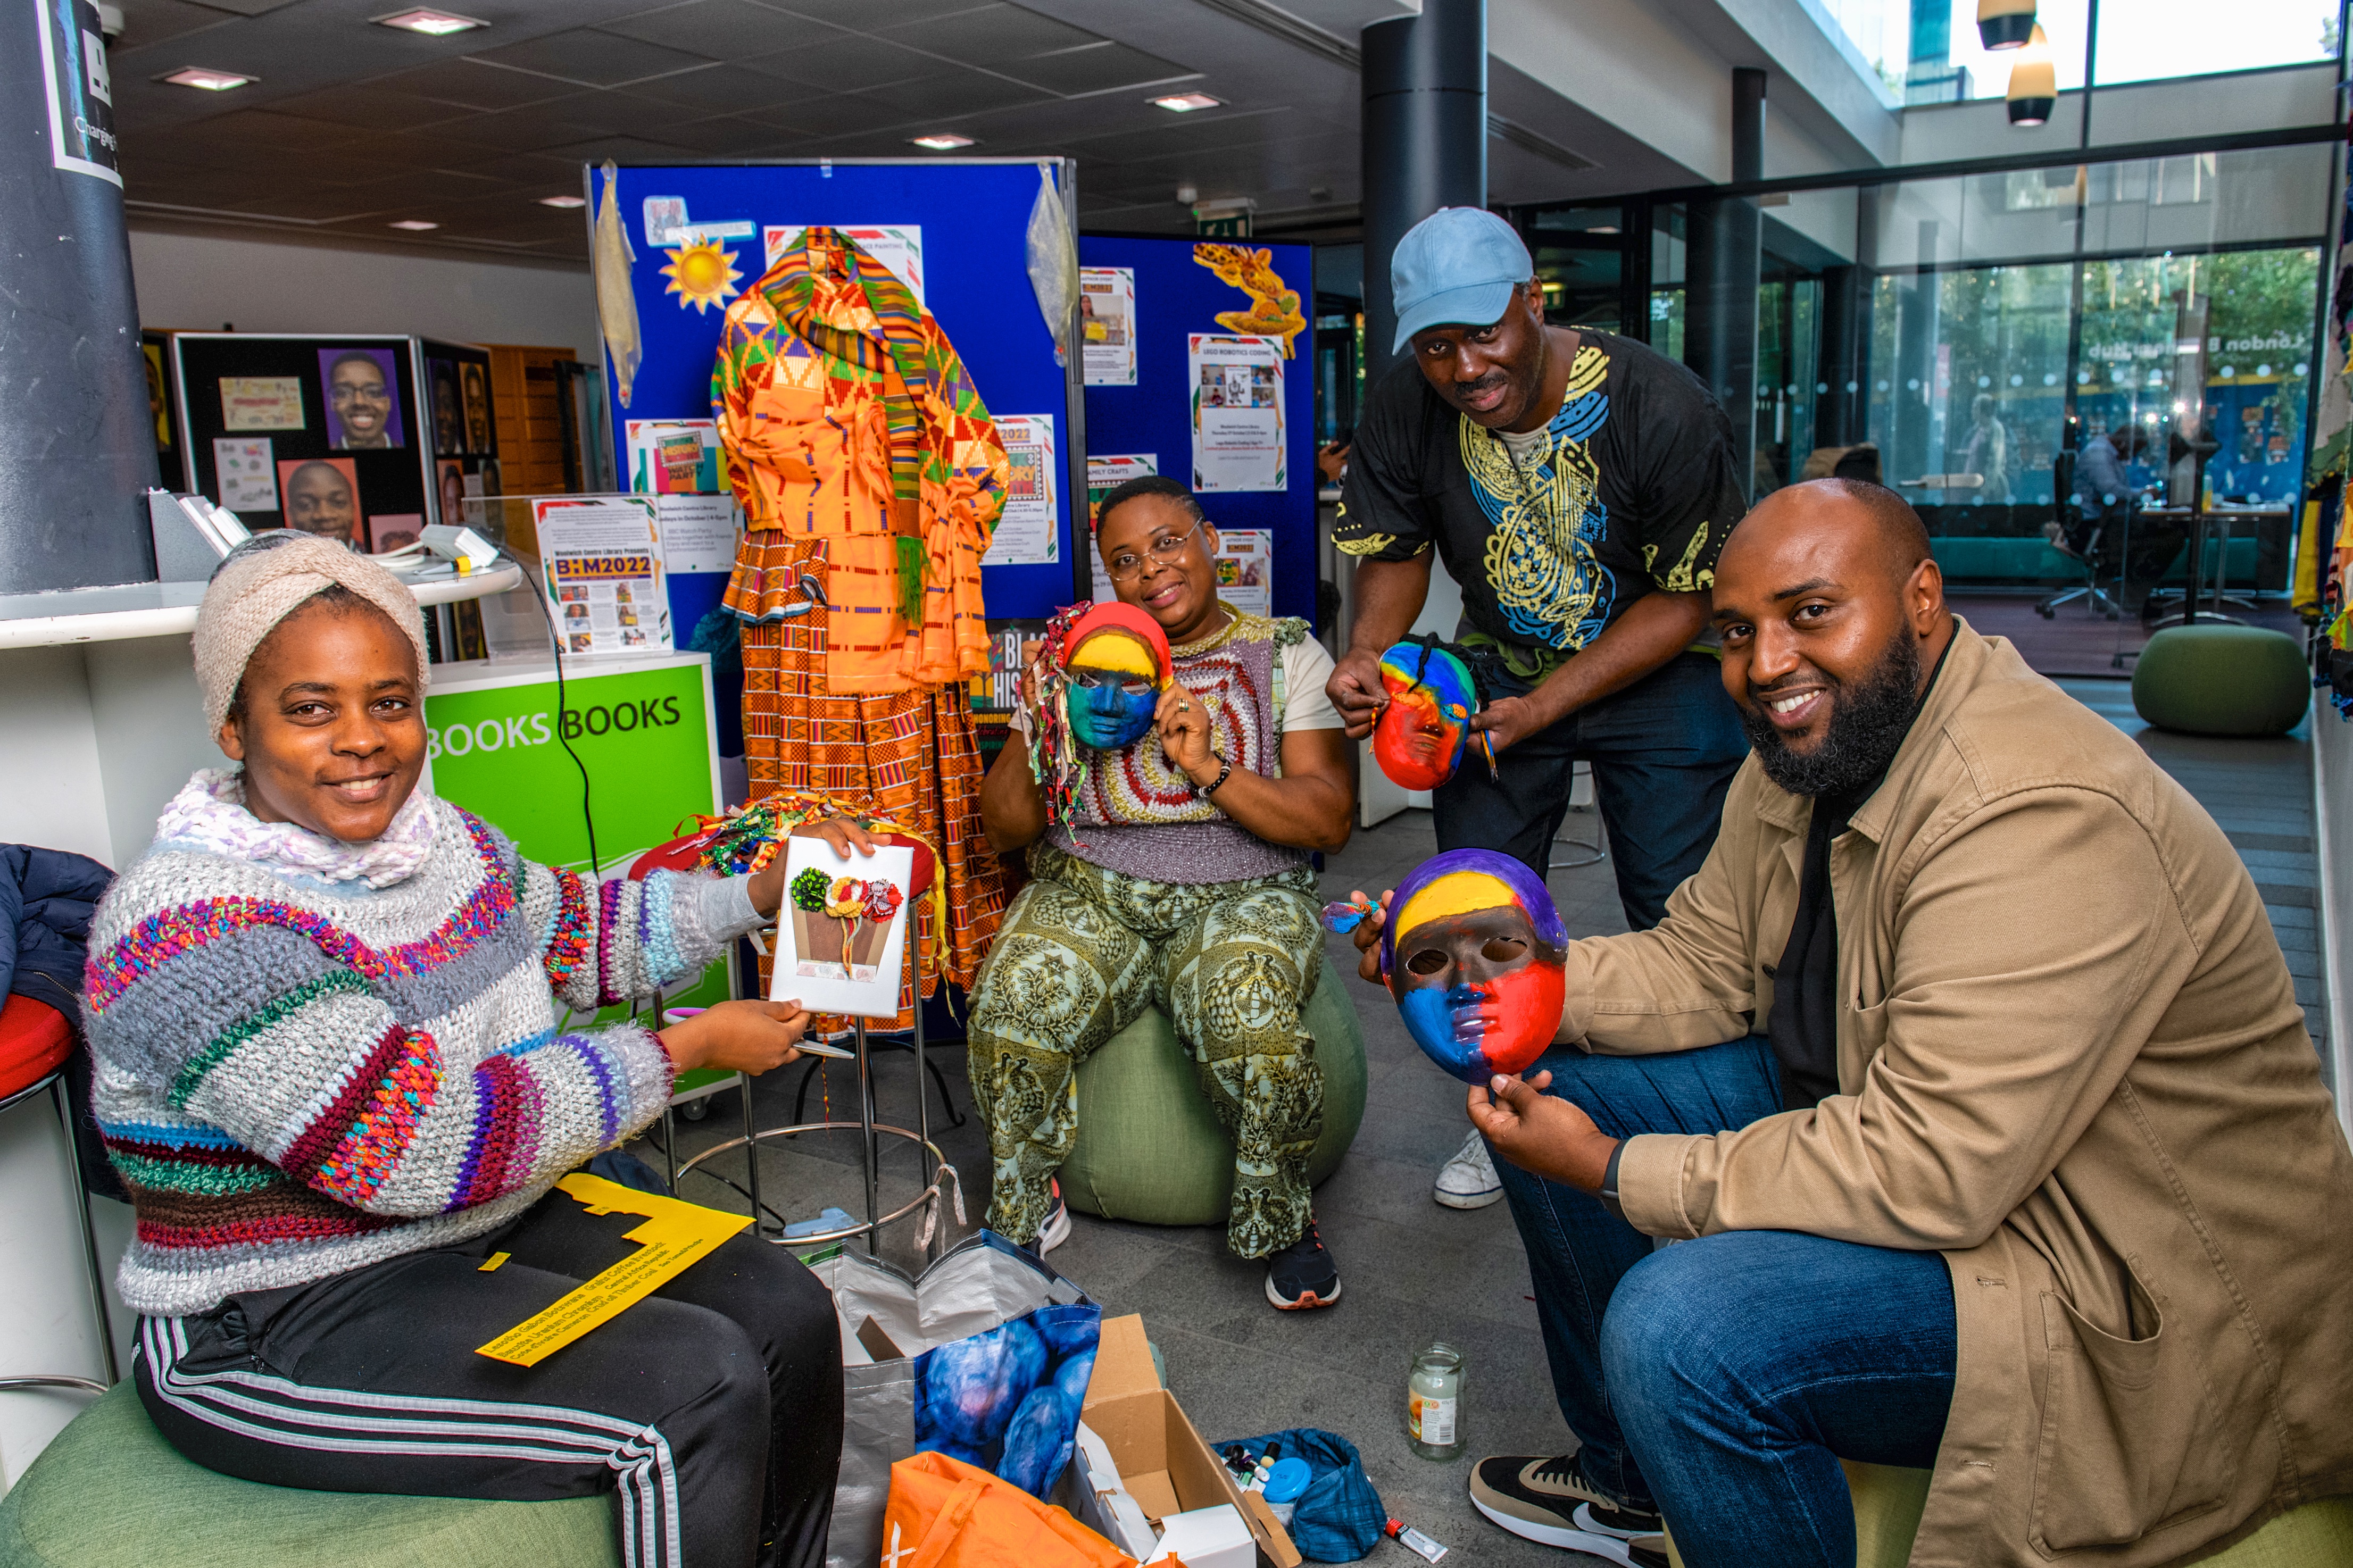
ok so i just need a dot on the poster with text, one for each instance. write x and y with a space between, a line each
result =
1237 390
601 557
247 473
899 247
674 457
698 534
261 403
1107 325
80 92
1246 569
1105 474
1026 533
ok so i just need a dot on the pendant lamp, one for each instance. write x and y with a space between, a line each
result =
2005 24
2034 81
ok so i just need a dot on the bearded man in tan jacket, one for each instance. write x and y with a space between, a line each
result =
1970 1061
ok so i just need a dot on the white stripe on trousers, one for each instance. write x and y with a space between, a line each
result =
289 1415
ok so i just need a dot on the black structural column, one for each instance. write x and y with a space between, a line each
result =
1721 273
77 443
1425 140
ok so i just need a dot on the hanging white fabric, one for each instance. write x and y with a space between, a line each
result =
617 301
1054 262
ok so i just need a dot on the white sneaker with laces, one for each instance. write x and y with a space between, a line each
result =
1469 1181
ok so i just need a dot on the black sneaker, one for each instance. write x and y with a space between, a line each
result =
1549 1500
1303 1274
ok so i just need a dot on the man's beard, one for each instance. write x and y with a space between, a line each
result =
1867 725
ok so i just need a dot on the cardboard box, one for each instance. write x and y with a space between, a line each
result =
1167 1467
1208 1538
1092 1492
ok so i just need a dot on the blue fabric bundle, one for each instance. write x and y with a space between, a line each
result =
1339 1517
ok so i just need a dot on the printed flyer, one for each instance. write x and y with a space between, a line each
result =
246 472
1107 325
698 534
601 559
1246 569
261 403
1238 436
1105 474
674 457
1026 533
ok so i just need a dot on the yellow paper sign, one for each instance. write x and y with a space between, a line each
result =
674 1235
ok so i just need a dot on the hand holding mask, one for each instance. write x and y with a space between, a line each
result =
1116 665
1417 740
1474 953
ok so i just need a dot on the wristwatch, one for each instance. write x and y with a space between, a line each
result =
1608 1193
1225 770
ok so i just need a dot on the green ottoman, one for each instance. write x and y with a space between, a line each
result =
110 1493
2217 680
1149 1146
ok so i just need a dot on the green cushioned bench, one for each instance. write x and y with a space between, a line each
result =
1150 1147
110 1493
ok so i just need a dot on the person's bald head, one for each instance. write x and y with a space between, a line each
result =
1832 611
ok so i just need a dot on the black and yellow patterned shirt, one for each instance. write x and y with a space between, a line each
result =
1636 490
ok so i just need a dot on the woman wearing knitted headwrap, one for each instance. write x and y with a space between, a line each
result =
1182 763
331 1072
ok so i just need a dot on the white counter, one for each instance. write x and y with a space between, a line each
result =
168 609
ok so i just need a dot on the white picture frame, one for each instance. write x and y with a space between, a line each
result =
834 963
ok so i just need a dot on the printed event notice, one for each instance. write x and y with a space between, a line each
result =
1026 531
1107 325
1237 389
601 557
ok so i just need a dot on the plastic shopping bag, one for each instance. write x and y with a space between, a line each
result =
944 1513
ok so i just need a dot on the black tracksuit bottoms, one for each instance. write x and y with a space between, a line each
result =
712 1408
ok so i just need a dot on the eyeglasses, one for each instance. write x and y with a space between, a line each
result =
1127 565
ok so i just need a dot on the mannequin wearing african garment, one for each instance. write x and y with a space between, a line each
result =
865 462
1169 799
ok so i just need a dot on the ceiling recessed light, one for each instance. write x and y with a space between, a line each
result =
564 202
209 80
432 24
414 224
1186 102
941 141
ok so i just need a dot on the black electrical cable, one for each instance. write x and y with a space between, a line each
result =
555 645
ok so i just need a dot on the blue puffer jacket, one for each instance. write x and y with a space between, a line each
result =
46 897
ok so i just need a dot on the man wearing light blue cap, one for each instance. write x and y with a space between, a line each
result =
1579 486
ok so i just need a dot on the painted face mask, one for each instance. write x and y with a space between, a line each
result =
1475 957
1114 686
1418 741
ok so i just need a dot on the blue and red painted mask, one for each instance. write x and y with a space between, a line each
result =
1417 740
1117 667
1475 954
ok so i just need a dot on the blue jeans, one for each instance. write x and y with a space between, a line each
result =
1662 753
1725 1377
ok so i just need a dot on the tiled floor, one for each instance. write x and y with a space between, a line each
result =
1414 1271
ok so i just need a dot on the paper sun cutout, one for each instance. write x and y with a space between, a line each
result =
702 275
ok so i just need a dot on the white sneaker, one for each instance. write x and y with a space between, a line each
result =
1469 1181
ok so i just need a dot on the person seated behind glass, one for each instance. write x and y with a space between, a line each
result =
1179 879
329 1068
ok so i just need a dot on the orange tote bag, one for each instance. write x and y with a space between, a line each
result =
944 1513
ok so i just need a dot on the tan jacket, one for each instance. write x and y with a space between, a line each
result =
2071 1060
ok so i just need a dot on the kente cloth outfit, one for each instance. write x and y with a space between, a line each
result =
1150 895
864 458
333 1080
1552 535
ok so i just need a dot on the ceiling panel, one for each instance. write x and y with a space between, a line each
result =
722 137
246 132
148 22
1093 68
962 92
850 64
987 35
724 29
368 108
837 114
476 86
587 55
863 15
717 89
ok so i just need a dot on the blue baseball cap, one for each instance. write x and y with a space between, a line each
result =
1455 267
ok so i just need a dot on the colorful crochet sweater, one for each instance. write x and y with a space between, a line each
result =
297 1078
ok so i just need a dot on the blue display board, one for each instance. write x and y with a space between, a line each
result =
974 217
1175 297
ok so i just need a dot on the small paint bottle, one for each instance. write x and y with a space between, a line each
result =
1433 1403
1414 1540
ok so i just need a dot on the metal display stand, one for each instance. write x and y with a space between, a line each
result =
933 1235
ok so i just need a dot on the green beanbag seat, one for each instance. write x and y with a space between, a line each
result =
110 1493
1149 1146
1888 1502
2213 678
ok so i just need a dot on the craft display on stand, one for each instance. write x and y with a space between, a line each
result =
1475 954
